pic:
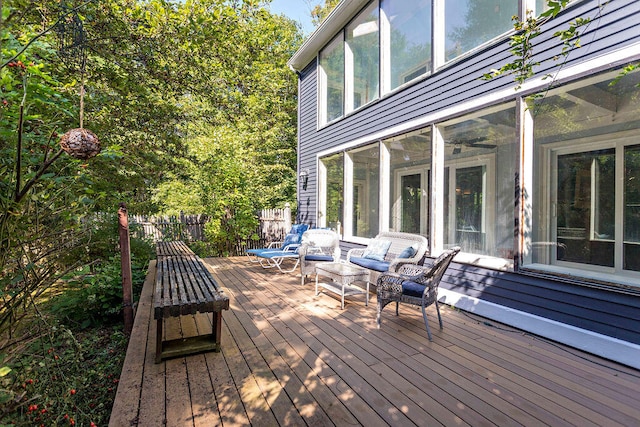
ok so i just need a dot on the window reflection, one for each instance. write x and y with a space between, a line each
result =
632 208
585 207
334 193
586 172
366 184
410 39
363 46
410 181
480 155
470 23
332 81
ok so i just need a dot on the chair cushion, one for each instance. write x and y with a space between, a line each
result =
371 264
299 229
408 252
377 249
277 254
291 239
261 250
412 289
318 257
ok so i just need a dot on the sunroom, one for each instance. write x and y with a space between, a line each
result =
537 183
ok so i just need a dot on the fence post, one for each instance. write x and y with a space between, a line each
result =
125 264
287 217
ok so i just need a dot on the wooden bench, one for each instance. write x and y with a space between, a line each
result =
184 286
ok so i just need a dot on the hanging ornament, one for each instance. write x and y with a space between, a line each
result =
80 143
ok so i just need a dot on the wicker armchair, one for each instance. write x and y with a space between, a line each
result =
414 284
318 245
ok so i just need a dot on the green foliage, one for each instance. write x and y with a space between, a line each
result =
96 299
177 196
42 201
63 376
523 66
320 12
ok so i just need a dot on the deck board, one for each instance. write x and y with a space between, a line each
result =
290 358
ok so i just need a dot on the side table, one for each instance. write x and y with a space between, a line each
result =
342 278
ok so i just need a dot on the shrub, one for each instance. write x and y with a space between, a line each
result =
96 299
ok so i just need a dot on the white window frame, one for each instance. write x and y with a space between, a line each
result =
488 190
550 154
396 206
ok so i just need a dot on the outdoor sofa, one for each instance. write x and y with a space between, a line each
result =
388 251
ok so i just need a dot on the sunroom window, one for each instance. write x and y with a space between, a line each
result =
470 23
362 58
408 45
586 171
331 197
392 42
480 159
410 166
364 191
331 82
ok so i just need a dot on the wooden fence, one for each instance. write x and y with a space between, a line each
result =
274 225
160 228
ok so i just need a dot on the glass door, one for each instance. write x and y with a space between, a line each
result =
585 207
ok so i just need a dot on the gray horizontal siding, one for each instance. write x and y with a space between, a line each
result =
307 98
614 26
598 310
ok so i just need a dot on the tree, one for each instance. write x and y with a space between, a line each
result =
43 195
239 131
163 81
319 13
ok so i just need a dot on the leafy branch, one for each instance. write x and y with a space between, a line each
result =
43 32
522 67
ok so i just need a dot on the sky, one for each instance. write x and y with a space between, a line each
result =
297 10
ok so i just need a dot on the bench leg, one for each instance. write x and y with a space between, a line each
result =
159 341
216 328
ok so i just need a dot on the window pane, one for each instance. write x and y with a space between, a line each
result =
409 195
366 178
632 208
334 192
470 23
410 23
363 42
479 199
586 207
581 194
411 198
469 208
332 66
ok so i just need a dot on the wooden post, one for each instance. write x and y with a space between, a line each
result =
125 263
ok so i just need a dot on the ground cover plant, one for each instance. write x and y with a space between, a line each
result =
66 371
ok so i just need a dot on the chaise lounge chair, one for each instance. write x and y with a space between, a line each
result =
277 252
291 241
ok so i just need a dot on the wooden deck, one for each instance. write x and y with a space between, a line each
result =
290 358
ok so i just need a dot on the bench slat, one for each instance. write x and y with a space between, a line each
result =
183 284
